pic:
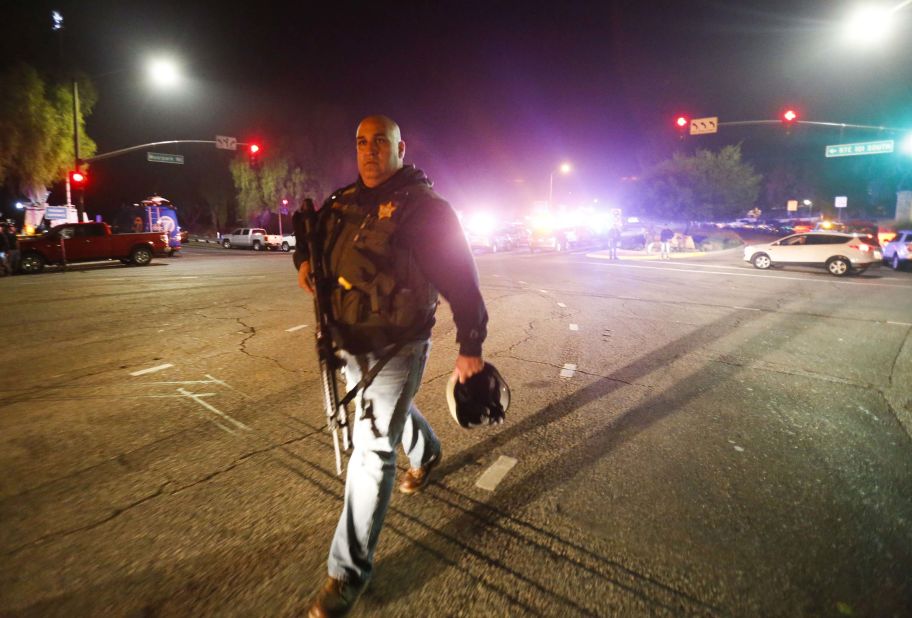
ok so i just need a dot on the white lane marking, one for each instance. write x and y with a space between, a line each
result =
197 398
294 328
899 323
544 291
143 372
568 370
491 478
574 327
561 305
521 281
785 278
189 277
746 308
740 449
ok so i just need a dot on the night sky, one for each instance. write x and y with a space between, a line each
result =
490 96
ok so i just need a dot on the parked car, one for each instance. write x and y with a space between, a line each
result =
840 254
89 242
283 243
250 238
497 240
563 239
898 252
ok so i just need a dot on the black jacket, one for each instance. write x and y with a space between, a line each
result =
432 232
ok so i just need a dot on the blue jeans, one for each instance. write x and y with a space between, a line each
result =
384 417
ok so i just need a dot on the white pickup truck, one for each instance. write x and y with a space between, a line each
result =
254 238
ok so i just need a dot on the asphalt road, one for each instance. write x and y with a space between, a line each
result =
691 437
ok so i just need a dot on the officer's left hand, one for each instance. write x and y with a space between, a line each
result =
467 366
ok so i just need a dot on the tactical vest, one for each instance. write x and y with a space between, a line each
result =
380 295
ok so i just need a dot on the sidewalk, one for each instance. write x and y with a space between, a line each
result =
626 254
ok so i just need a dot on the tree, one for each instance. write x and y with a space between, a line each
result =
706 186
261 189
36 130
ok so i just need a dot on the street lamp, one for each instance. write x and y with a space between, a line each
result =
564 168
869 26
163 72
810 206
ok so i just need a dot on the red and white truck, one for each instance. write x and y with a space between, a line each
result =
89 242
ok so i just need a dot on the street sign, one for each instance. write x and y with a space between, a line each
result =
792 205
55 212
162 157
225 142
860 148
842 201
701 126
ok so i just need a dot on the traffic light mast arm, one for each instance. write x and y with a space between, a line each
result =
117 153
841 125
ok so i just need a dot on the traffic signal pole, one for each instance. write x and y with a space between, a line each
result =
123 151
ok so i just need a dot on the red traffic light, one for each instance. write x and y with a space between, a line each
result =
254 148
78 178
790 115
682 122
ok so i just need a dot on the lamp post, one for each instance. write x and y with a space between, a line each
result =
161 71
564 168
810 206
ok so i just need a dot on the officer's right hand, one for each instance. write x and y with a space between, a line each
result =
304 277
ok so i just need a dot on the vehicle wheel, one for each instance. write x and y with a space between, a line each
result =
257 246
838 266
761 261
32 263
896 264
285 246
226 243
141 256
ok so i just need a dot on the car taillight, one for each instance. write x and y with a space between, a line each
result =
861 247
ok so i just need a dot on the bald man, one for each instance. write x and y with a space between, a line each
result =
392 244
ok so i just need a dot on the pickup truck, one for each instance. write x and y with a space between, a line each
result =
254 238
282 243
89 242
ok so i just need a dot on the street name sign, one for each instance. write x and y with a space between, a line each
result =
701 126
162 157
860 148
792 205
225 142
55 212
842 201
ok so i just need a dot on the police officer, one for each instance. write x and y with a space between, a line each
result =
391 245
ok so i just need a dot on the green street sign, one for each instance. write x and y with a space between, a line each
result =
861 148
161 157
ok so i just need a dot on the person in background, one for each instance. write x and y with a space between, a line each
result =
12 249
665 237
614 240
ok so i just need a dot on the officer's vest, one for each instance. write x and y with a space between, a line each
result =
381 296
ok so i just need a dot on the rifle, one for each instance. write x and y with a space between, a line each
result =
336 413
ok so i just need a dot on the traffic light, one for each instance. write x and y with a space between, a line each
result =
789 116
78 179
681 124
253 152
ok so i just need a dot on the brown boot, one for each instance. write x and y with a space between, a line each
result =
415 479
335 598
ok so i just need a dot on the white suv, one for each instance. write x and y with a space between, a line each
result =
840 254
898 251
